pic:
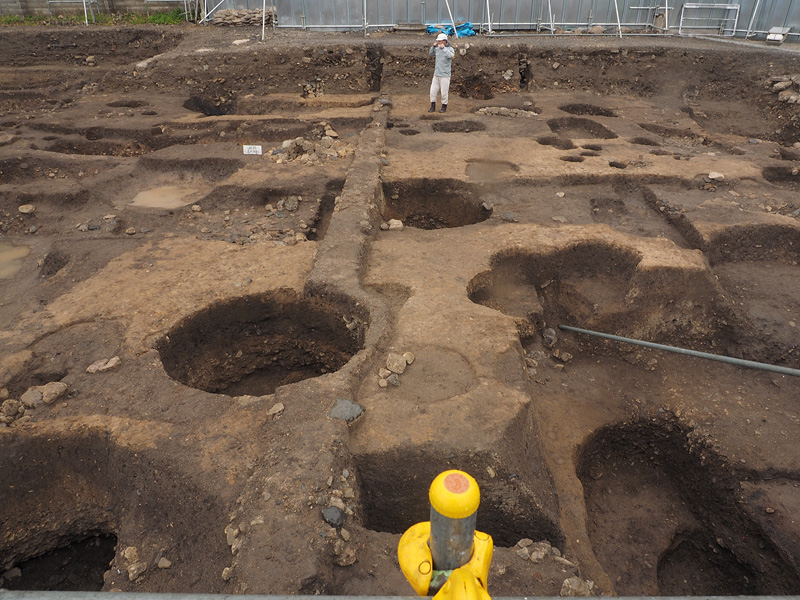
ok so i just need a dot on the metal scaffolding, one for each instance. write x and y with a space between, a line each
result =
491 16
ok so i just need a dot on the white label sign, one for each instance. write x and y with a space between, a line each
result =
252 150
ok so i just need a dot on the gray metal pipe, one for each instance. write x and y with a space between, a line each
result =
726 359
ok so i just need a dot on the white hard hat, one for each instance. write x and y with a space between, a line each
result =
442 37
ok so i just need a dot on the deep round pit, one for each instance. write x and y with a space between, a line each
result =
433 203
255 344
76 566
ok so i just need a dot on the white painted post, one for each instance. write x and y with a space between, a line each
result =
451 17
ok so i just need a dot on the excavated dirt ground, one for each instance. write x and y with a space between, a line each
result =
240 297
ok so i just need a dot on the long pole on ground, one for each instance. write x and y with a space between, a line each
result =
447 3
263 18
489 16
552 25
619 24
726 359
85 14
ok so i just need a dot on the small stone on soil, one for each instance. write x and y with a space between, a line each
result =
395 225
346 410
395 363
333 516
393 379
27 209
347 558
164 563
31 398
276 409
409 356
575 586
104 364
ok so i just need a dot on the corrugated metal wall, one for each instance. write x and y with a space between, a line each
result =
533 14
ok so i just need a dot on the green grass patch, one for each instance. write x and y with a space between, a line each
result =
172 17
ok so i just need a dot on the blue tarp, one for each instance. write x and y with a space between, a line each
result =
464 30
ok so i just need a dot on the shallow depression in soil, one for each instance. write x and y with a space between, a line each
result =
255 344
170 196
11 258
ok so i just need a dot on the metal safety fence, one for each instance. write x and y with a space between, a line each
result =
744 18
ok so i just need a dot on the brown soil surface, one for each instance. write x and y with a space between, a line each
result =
245 295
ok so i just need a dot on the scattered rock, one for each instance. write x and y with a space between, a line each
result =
396 363
395 225
131 554
716 176
276 409
14 573
409 356
596 30
11 408
53 390
27 209
525 542
549 337
523 553
393 379
575 586
383 372
196 208
292 203
239 18
346 410
345 534
131 231
164 563
502 111
347 558
334 516
104 364
769 510
32 398
227 573
539 551
382 383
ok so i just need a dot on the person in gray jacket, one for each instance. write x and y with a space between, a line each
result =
441 75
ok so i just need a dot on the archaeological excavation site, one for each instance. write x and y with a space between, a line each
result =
254 297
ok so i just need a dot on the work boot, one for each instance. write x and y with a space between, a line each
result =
444 108
433 107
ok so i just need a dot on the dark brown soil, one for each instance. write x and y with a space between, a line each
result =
647 188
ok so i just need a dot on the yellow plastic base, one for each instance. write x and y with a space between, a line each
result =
465 583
